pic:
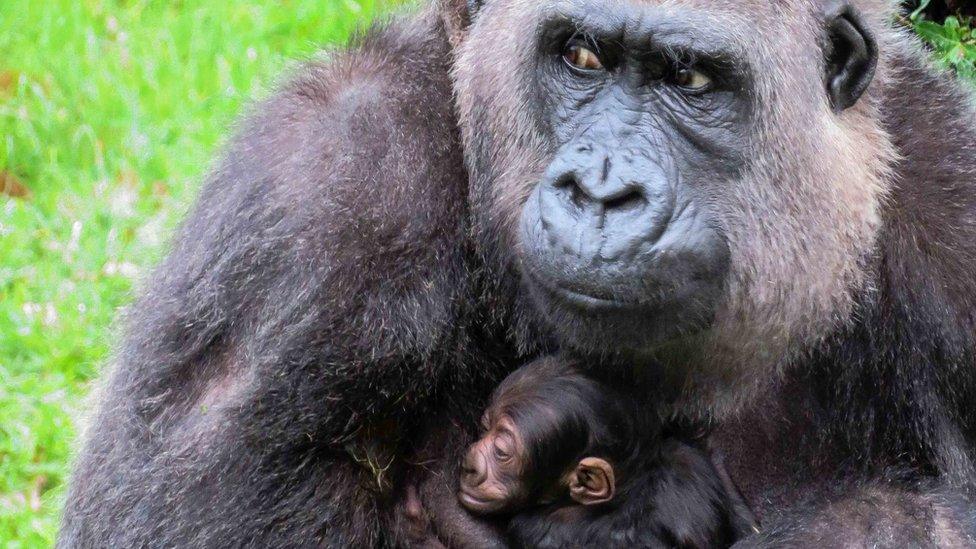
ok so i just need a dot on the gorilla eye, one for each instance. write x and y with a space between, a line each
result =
501 450
692 80
581 57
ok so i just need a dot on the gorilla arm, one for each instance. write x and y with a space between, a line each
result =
309 301
876 515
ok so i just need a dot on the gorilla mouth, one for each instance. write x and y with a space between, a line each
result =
476 504
589 302
578 298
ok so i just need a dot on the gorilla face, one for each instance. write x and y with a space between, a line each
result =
694 180
646 118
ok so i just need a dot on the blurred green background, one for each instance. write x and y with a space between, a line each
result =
109 113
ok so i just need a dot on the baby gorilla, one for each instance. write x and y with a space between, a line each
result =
572 462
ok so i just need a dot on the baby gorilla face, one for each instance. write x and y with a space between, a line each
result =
497 472
494 468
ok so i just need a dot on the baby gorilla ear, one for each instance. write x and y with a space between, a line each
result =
592 482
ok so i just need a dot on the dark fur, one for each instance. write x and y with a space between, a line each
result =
675 499
315 308
325 322
668 492
895 389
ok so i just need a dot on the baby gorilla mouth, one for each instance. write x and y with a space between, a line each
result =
478 504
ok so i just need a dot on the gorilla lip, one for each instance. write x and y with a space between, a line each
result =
588 302
475 503
580 300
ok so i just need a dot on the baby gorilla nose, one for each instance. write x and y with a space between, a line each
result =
474 470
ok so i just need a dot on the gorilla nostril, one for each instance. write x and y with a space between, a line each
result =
577 196
568 185
473 477
630 201
601 195
565 180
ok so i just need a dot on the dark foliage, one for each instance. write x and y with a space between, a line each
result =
937 10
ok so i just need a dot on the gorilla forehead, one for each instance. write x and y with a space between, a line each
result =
640 23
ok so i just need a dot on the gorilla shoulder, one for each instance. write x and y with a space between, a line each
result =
352 120
342 193
352 163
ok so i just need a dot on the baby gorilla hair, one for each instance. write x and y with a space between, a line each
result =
570 461
563 416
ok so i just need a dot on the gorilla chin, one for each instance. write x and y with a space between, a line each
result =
660 289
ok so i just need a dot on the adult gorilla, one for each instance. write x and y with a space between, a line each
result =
762 212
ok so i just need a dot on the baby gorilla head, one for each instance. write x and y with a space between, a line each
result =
550 434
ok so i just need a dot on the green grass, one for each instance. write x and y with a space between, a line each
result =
954 40
109 113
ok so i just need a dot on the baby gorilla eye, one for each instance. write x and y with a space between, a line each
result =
692 80
502 449
579 56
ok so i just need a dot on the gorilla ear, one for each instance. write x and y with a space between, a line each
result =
592 482
852 55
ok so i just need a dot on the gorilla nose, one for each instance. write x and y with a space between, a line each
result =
601 197
604 204
473 470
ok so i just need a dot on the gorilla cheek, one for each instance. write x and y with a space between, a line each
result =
531 232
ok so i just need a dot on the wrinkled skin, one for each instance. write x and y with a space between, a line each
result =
618 232
493 469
